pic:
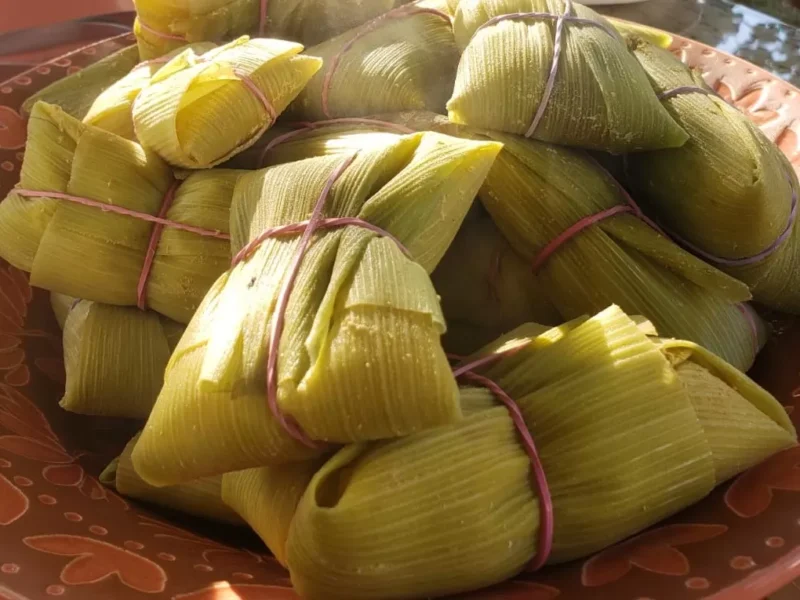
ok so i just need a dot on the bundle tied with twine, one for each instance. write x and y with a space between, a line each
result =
575 438
114 356
729 195
590 246
326 329
200 498
162 26
199 110
99 217
556 71
402 60
560 211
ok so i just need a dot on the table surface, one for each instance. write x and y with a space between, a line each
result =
733 28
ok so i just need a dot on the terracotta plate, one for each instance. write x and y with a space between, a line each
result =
62 534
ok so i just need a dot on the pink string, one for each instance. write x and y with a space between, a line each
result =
560 20
160 34
575 229
251 85
747 311
262 17
308 228
119 210
370 26
310 126
160 223
546 517
155 237
630 206
748 260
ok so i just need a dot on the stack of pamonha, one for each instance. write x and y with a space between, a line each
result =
275 259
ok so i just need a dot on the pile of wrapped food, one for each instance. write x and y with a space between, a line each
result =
458 290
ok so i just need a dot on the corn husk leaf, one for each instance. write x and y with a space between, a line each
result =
600 100
197 112
112 109
657 37
61 305
535 192
731 408
114 357
267 498
75 93
360 355
453 509
85 252
486 289
404 62
201 498
728 191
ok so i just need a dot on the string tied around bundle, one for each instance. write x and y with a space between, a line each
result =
630 207
747 260
568 16
316 222
466 371
159 223
406 10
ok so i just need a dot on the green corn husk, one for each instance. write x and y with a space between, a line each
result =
625 440
486 289
308 22
659 38
197 112
685 297
728 191
201 498
114 357
360 355
267 499
75 93
407 62
62 305
85 252
601 99
535 192
112 109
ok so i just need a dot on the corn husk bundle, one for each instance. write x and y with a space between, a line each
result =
199 110
403 60
729 192
630 429
535 192
486 288
76 93
86 252
360 355
600 97
114 356
164 26
112 109
683 296
201 498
